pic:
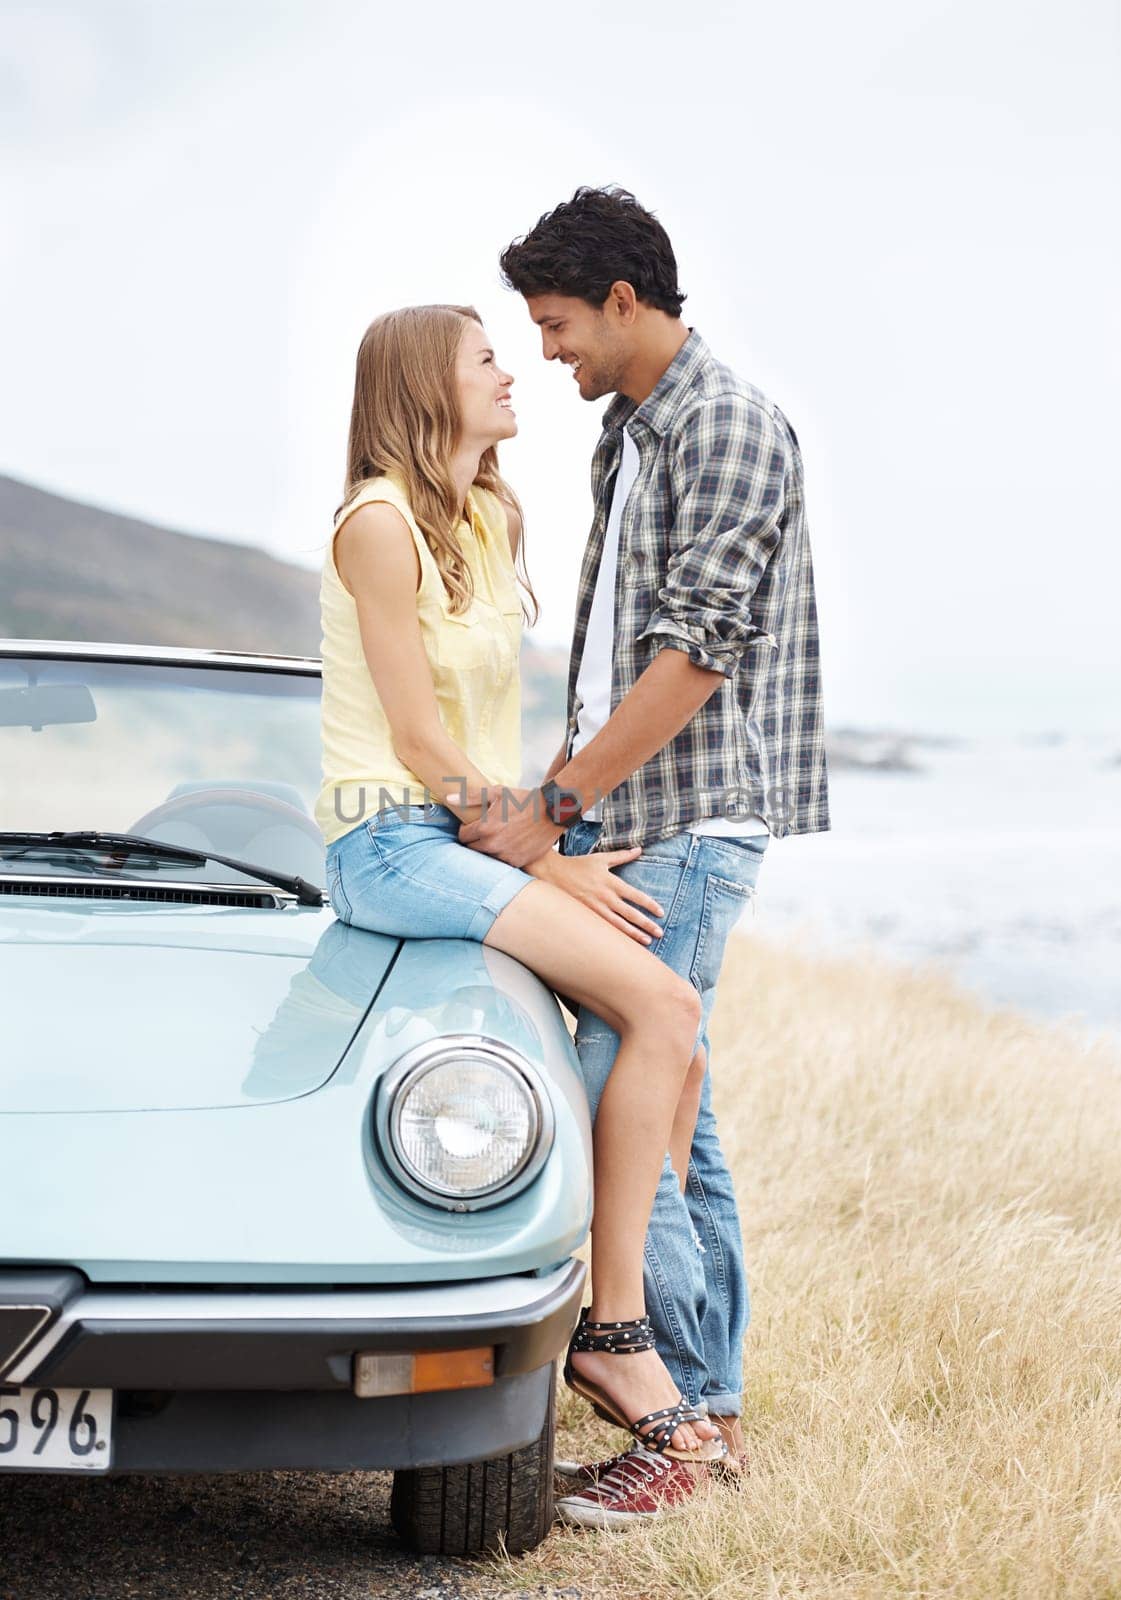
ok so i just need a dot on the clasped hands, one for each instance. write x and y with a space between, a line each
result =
514 826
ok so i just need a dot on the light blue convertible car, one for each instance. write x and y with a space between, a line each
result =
274 1192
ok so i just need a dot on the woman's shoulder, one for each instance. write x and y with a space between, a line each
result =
370 491
376 518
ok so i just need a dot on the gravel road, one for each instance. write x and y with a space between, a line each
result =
254 1536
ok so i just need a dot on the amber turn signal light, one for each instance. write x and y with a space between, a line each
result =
422 1371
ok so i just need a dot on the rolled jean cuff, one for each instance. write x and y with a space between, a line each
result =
724 1404
497 899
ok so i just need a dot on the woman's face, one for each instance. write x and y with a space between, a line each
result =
484 391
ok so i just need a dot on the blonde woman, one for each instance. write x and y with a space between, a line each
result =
421 631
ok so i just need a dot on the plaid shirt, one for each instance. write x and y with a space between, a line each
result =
714 560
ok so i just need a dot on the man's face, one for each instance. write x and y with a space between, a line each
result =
588 341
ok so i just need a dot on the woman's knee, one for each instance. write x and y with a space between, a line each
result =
669 1008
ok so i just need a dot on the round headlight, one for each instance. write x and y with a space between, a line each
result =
464 1120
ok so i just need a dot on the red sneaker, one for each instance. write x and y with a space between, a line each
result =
581 1472
587 1472
638 1485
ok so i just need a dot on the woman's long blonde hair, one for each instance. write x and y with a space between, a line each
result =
405 419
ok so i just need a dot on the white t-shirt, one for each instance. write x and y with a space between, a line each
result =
593 682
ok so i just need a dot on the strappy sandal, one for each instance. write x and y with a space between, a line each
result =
655 1430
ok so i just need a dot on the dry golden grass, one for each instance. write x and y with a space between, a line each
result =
931 1197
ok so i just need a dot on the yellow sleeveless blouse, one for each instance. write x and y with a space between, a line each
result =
473 659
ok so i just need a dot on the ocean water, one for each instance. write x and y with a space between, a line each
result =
999 860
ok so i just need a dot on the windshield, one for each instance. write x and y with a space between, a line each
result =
218 758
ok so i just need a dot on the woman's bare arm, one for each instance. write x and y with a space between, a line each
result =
378 563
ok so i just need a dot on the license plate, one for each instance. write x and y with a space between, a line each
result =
55 1430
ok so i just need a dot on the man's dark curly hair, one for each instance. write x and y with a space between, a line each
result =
588 243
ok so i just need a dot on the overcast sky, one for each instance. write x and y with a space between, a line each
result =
901 221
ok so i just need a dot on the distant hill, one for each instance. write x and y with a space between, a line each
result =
74 571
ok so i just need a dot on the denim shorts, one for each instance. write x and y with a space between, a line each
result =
404 872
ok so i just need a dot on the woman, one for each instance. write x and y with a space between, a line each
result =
421 631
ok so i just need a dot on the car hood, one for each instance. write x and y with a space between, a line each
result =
294 1191
133 1007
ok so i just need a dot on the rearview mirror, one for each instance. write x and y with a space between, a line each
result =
41 704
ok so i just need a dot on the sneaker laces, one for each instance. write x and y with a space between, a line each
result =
634 1469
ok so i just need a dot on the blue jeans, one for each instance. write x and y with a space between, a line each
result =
695 1283
404 872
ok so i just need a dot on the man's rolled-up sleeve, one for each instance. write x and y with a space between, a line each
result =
729 467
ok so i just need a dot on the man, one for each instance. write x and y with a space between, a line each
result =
694 727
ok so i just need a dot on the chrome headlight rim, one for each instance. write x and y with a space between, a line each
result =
415 1064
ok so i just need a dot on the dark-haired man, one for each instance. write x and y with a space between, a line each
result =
694 726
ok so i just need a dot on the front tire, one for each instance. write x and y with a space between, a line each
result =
459 1511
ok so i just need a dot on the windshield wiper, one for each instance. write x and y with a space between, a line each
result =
308 894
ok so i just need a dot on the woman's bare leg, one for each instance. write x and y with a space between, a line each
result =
656 1014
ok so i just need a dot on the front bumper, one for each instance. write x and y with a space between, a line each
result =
220 1380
